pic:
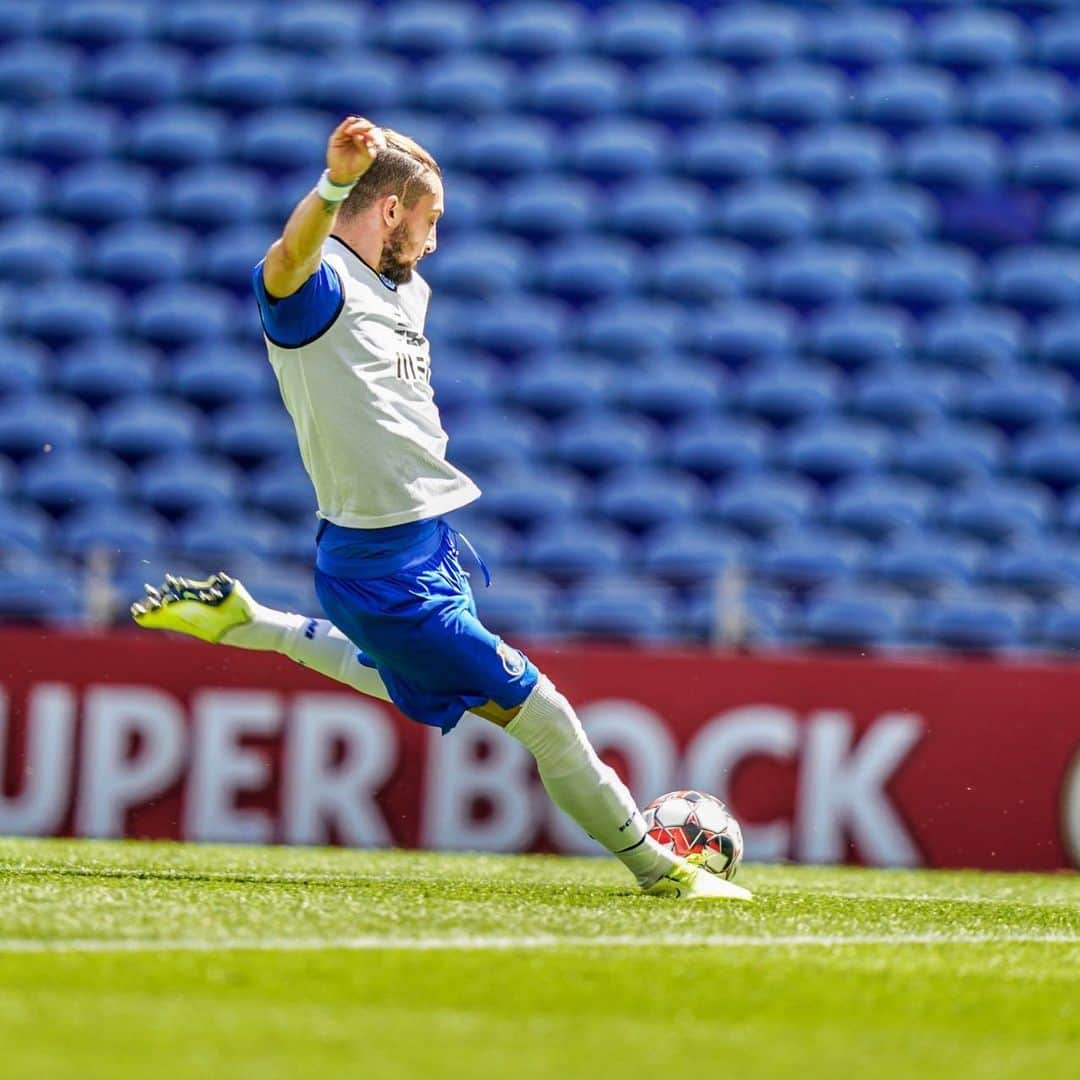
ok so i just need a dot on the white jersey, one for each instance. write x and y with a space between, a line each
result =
361 401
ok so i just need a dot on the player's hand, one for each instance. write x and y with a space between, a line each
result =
353 146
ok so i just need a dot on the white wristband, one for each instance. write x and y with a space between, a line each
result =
328 191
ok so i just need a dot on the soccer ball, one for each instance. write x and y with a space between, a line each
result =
699 827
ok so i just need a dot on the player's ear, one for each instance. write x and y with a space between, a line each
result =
392 210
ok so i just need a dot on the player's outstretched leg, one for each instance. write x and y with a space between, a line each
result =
220 610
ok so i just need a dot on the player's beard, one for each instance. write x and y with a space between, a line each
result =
393 265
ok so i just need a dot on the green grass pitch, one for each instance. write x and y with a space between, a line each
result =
134 960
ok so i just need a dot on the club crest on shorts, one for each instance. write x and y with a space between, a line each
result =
512 660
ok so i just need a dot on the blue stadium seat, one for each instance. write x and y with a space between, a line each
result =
599 442
229 254
727 152
998 511
575 88
865 37
926 277
985 338
251 431
484 439
47 596
468 85
713 449
861 335
282 487
566 550
319 28
559 384
471 207
1063 223
73 478
806 558
506 147
1050 455
24 529
177 135
589 268
698 270
379 80
1036 280
748 35
857 616
1045 571
653 209
215 195
951 454
810 275
688 552
32 71
23 362
1017 402
761 505
136 428
201 25
646 31
880 505
685 91
1019 100
178 483
1057 341
22 184
519 325
797 95
621 609
925 562
20 20
36 249
428 27
529 29
1049 161
750 616
91 23
170 315
58 133
610 149
283 138
102 369
544 206
213 374
40 423
970 625
670 391
520 604
894 397
784 393
9 477
139 75
105 192
839 155
134 254
222 533
952 159
462 381
969 41
1058 44
523 495
906 97
644 497
1059 629
832 449
1070 515
249 77
122 530
623 328
767 213
69 310
884 215
742 331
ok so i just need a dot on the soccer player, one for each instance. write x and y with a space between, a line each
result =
343 314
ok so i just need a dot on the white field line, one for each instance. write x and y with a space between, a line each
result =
372 943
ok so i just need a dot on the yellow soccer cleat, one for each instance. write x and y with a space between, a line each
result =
689 882
203 609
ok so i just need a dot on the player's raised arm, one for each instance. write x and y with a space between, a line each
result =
294 256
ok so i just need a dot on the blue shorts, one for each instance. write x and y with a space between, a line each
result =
401 596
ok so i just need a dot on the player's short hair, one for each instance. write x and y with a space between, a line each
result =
403 169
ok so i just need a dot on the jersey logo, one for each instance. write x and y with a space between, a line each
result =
413 366
512 660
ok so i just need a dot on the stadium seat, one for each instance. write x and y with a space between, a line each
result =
827 450
883 215
761 505
71 310
624 328
502 147
467 85
808 276
377 79
35 71
282 487
428 27
739 615
652 209
620 609
1049 161
482 440
806 558
170 315
894 398
866 37
575 88
727 153
840 155
925 562
211 195
251 431
646 31
73 478
906 97
1017 402
217 534
525 495
753 34
105 192
319 28
21 186
23 362
611 149
670 391
879 505
103 369
248 77
48 596
521 604
134 254
1050 455
40 423
952 159
793 95
601 441
1057 341
283 138
20 20
229 254
176 135
972 41
178 483
25 529
970 625
586 268
768 213
699 270
69 132
529 29
856 616
36 249
739 332
861 335
1058 44
140 427
560 384
565 550
1044 572
221 373
641 498
1059 629
200 25
520 324
685 91
984 338
540 207
998 511
784 393
92 23
1036 280
713 450
462 381
139 75
1019 100
926 277
951 454
1063 222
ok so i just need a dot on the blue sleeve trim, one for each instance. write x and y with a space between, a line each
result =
297 320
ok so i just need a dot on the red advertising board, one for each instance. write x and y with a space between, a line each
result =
823 759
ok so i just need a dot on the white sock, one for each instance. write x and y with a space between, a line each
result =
580 784
313 643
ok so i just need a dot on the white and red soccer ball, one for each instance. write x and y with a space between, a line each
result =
699 827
